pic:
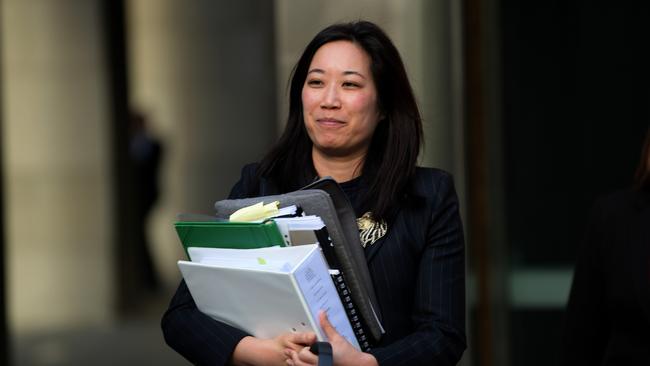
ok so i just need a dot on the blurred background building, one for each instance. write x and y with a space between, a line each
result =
535 107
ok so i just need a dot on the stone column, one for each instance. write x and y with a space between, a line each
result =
57 165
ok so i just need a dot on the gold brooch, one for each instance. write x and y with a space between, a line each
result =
370 230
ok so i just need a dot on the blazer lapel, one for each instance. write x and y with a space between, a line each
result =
371 250
402 229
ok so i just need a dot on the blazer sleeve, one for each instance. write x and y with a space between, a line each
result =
586 326
196 336
438 313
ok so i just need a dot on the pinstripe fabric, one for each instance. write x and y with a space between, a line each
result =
417 268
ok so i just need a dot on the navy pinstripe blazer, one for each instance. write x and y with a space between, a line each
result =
417 268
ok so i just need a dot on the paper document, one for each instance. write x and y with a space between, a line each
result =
299 230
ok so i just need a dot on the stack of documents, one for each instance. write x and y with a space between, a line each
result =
326 199
284 260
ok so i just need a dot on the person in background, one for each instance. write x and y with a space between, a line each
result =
608 314
353 116
145 153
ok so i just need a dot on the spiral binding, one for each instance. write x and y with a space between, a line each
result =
358 327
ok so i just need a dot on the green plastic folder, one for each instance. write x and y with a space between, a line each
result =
233 235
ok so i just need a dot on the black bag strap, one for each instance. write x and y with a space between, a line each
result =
324 352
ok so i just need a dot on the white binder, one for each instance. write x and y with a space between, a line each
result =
266 291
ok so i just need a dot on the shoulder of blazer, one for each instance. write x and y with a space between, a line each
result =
431 183
250 184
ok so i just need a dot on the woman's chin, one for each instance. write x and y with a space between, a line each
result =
335 151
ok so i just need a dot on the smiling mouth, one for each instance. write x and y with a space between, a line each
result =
329 122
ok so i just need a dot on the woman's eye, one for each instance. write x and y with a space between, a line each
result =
350 84
314 82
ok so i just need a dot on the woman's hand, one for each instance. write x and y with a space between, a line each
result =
269 352
343 353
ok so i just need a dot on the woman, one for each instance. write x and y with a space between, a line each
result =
353 117
608 315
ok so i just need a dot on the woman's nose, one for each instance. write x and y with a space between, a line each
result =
331 98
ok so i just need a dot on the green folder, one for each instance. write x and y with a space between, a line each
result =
235 235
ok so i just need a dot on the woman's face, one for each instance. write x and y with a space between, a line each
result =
339 100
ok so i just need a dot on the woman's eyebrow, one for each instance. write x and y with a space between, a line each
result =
351 72
347 72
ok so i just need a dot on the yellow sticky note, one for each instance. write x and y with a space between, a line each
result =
258 211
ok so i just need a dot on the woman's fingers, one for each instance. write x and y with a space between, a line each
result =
307 357
304 338
328 328
297 341
301 358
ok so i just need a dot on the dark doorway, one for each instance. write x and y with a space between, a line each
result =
576 91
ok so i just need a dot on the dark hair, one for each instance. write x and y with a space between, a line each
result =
642 176
392 155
